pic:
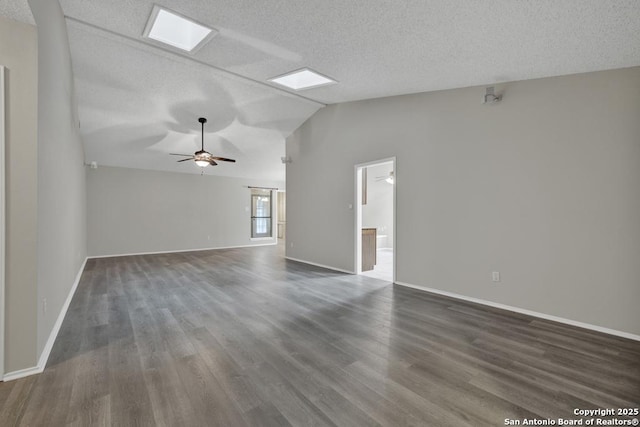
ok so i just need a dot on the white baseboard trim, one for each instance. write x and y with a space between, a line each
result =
10 376
63 312
319 265
44 356
525 311
181 250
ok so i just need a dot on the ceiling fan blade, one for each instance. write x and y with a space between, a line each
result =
184 160
212 163
176 154
223 159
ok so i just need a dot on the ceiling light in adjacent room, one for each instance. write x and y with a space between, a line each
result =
390 179
176 30
302 79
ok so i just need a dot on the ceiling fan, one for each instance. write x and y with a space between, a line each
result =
203 158
388 178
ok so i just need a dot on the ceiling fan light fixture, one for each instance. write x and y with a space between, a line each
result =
202 158
176 30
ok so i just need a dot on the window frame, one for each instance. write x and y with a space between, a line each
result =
254 195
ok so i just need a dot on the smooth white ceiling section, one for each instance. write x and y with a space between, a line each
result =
136 101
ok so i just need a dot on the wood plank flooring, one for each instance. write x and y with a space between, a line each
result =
242 337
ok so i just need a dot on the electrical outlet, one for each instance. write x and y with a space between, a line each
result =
495 276
44 305
291 244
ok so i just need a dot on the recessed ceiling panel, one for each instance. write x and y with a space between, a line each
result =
167 27
302 79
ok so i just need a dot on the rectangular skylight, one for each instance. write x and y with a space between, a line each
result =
302 79
176 30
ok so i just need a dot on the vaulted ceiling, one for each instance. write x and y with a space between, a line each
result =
138 102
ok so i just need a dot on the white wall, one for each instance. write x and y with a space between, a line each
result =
19 53
136 211
62 240
378 211
543 187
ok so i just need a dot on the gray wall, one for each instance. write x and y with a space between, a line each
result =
135 211
18 52
543 187
61 209
378 211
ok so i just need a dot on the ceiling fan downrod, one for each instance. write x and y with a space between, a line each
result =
202 121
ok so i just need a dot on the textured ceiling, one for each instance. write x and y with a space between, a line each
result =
18 10
138 102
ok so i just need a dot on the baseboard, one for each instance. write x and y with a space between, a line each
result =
319 265
63 312
525 311
181 250
44 356
10 376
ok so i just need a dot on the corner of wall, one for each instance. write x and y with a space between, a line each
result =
61 207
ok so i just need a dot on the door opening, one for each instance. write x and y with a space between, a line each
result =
375 219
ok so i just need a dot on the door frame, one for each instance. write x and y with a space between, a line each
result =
279 215
357 267
2 217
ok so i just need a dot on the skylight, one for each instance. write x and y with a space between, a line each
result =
302 79
175 30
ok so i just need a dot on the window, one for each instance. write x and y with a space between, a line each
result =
260 213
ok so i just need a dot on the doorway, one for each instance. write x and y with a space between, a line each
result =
375 219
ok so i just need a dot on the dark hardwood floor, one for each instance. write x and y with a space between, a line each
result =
243 337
